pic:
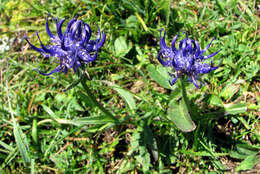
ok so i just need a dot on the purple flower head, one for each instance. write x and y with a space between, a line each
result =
187 60
73 47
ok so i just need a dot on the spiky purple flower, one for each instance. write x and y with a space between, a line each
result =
72 47
187 60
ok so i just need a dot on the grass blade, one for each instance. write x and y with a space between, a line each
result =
21 143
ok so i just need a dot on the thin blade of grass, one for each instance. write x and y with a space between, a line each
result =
20 138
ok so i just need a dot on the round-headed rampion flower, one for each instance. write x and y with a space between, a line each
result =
187 60
72 47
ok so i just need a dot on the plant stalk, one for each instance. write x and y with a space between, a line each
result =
184 93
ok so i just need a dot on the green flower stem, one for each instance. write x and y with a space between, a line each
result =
93 99
193 112
184 93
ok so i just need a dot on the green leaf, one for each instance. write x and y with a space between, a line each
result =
244 150
22 143
91 120
229 109
6 146
121 47
127 96
248 163
139 150
215 100
251 70
131 21
150 141
160 75
221 6
75 105
229 91
32 166
49 111
144 158
248 11
86 99
179 115
234 109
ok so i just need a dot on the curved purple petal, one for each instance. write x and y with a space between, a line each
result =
216 67
207 47
182 44
79 33
211 55
91 59
65 70
195 84
196 48
76 66
162 40
101 43
47 28
88 29
189 45
63 44
59 25
84 36
194 81
34 47
74 29
69 25
57 69
183 47
173 80
163 62
90 46
43 47
99 34
173 42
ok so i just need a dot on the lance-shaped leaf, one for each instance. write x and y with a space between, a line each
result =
126 95
160 75
179 115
